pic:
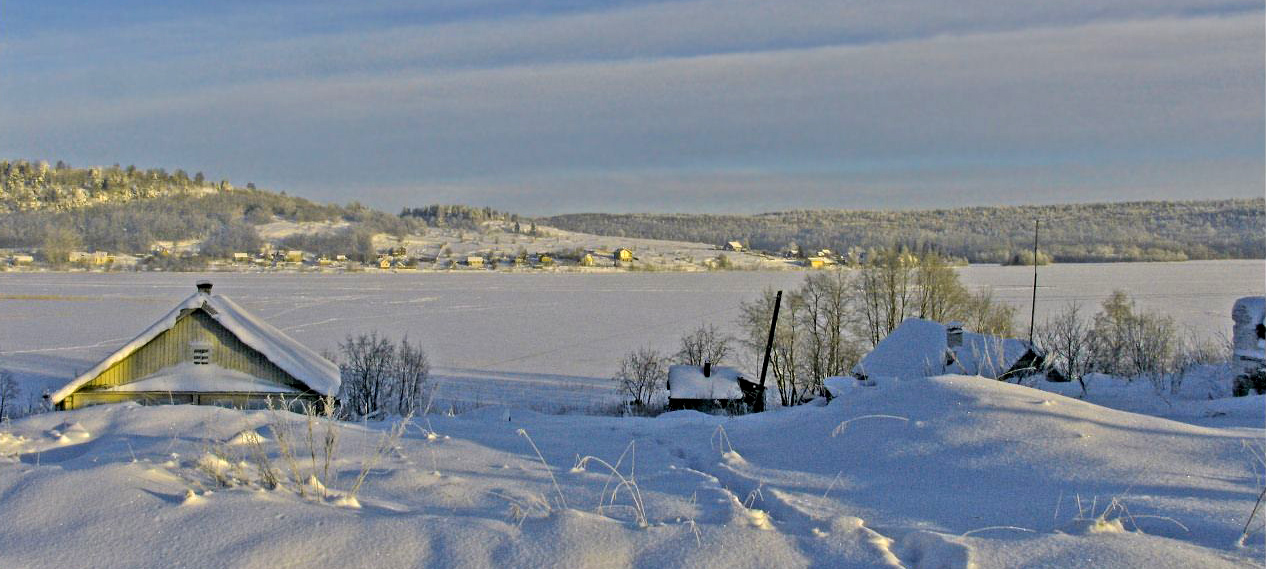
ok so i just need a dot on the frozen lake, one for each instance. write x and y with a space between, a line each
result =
496 335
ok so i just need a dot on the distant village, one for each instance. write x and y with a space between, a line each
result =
403 257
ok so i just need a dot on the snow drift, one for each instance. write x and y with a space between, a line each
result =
950 471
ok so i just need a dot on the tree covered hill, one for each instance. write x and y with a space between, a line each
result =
127 209
1127 231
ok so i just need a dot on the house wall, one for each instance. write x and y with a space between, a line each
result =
172 347
232 400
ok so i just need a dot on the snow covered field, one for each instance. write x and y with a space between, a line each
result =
945 472
523 339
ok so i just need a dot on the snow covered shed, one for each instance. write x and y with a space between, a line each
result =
923 348
1248 337
708 387
205 351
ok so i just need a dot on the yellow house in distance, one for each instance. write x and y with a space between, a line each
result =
206 351
95 258
622 255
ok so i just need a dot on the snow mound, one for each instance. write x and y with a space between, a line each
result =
191 499
68 433
970 472
11 445
246 437
931 550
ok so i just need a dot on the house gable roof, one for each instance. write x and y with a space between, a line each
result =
920 348
301 362
688 382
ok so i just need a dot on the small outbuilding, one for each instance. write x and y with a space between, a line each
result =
923 348
708 388
733 246
206 351
622 255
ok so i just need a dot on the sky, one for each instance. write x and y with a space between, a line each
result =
726 106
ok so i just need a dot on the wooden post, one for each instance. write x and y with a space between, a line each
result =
1033 308
769 344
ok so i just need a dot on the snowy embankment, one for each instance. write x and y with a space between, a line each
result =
946 472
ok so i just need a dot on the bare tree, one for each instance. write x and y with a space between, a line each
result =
828 307
886 288
411 374
59 241
9 392
1134 344
642 375
379 376
1111 327
981 313
786 363
704 344
1069 340
941 296
366 368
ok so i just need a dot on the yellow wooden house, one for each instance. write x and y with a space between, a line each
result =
622 255
205 351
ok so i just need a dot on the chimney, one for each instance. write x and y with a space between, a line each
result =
707 369
204 287
954 335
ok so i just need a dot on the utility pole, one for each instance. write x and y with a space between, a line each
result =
1033 308
769 346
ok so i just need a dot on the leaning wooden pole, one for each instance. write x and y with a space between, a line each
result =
769 344
1033 308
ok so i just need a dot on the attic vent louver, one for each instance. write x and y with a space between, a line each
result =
200 353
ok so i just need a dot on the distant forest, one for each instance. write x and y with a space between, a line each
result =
1127 231
126 209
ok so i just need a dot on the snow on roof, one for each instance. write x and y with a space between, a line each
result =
920 348
1247 313
688 382
305 365
916 348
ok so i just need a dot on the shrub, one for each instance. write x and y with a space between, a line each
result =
381 377
642 375
1254 380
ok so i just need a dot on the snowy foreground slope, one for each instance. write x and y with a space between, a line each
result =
946 472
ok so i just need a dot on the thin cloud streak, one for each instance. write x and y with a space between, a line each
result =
932 92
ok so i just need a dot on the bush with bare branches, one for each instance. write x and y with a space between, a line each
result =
643 373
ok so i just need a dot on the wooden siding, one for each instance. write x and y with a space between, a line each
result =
232 400
172 347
